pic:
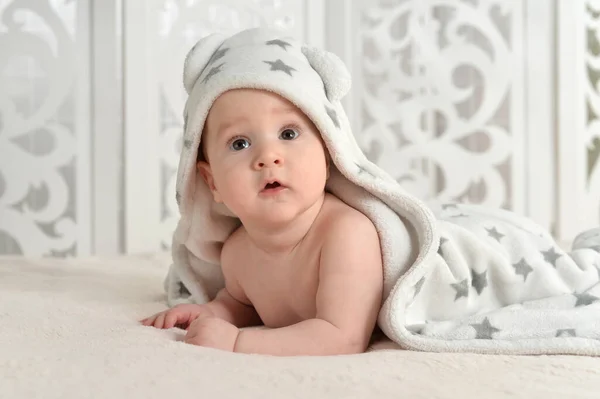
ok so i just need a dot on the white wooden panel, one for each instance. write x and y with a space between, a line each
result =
107 131
141 126
83 131
518 116
342 38
572 119
314 22
539 168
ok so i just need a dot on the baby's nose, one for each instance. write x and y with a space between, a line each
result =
268 158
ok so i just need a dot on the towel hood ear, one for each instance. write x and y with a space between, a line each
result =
332 70
199 57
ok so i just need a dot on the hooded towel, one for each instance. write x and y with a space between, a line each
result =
456 277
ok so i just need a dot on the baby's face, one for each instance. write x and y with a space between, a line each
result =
266 160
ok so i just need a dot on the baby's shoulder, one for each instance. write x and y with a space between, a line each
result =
232 248
350 241
341 220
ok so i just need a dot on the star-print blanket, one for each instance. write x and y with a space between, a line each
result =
456 278
498 276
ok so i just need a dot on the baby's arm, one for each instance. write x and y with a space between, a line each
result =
231 303
226 307
348 298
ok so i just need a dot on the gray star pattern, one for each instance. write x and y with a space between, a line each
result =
479 280
187 144
217 55
484 330
566 332
442 241
462 289
494 233
522 268
178 198
551 256
584 299
460 215
333 115
279 65
362 169
418 286
183 291
279 43
447 206
213 71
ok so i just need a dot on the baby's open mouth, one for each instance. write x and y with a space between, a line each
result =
272 185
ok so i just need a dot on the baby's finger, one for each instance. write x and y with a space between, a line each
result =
160 321
171 319
148 320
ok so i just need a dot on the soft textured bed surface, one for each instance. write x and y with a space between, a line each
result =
68 329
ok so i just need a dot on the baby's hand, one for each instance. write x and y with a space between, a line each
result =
180 316
212 332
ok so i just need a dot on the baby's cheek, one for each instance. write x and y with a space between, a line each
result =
229 185
317 168
238 187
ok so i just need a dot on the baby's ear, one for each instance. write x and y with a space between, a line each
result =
199 57
206 173
332 70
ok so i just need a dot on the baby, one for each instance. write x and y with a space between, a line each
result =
285 223
303 263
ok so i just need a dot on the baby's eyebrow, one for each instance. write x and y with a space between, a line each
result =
226 125
284 110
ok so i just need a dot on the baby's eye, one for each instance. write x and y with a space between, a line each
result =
239 144
288 134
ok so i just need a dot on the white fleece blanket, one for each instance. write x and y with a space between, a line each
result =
457 278
500 283
68 330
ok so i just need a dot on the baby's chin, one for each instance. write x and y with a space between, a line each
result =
272 214
275 216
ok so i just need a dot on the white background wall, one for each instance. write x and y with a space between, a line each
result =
485 101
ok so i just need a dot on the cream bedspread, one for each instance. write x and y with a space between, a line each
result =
68 330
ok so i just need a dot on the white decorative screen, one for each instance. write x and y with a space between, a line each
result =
441 96
44 128
494 102
579 102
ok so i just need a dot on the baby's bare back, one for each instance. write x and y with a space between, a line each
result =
283 288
